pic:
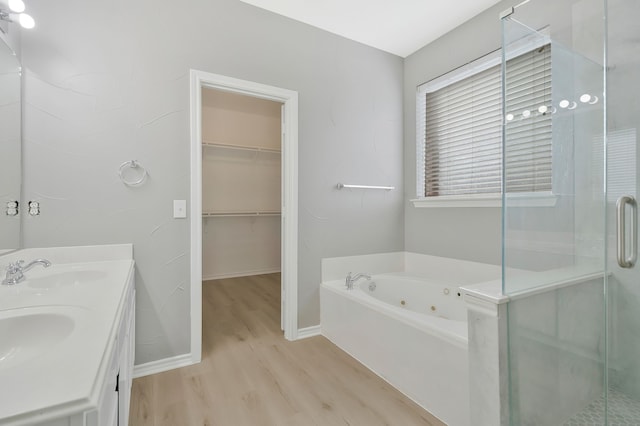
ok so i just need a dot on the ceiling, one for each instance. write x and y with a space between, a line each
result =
398 26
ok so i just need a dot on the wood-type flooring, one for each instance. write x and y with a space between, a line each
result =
250 375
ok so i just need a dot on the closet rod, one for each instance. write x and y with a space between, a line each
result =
240 214
240 147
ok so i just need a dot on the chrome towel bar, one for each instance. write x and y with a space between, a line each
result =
386 188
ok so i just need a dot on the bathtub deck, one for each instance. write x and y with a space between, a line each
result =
250 375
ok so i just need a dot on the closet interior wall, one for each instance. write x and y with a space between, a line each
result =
241 185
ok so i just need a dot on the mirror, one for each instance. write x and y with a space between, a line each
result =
10 148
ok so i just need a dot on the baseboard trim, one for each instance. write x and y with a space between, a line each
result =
161 365
240 274
303 333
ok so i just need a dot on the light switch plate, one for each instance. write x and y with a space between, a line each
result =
179 209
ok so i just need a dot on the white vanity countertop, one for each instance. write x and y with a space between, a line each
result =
67 353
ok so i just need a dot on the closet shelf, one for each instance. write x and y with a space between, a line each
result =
239 147
240 214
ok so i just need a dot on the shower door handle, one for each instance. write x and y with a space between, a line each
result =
624 260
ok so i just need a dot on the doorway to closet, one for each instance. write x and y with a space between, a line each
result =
243 190
241 185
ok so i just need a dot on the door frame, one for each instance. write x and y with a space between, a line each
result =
289 204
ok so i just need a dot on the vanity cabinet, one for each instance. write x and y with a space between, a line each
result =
115 384
75 338
115 396
127 357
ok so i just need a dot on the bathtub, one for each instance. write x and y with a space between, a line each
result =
410 331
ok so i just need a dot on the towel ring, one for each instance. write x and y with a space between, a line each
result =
132 164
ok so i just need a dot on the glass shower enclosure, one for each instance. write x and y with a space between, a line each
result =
571 103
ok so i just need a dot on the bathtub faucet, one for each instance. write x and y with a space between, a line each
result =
352 279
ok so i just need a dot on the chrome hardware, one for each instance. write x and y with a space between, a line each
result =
386 188
15 271
132 165
624 260
506 13
372 286
352 279
512 9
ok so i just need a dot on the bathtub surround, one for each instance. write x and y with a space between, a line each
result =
424 356
470 365
550 344
488 361
413 264
426 363
107 82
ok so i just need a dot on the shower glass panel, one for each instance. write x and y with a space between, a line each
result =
554 212
623 122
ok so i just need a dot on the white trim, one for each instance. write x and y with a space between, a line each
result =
467 70
161 365
241 274
487 200
421 143
196 215
314 330
515 48
289 217
290 214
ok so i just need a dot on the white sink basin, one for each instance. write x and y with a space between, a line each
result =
65 278
31 333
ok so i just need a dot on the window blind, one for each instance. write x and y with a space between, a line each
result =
461 130
528 159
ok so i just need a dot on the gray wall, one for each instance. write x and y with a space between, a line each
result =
107 82
462 233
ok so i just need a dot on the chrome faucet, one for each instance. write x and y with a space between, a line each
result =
352 279
15 271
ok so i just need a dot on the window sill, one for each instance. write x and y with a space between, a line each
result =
487 200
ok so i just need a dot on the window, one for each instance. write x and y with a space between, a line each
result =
459 129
